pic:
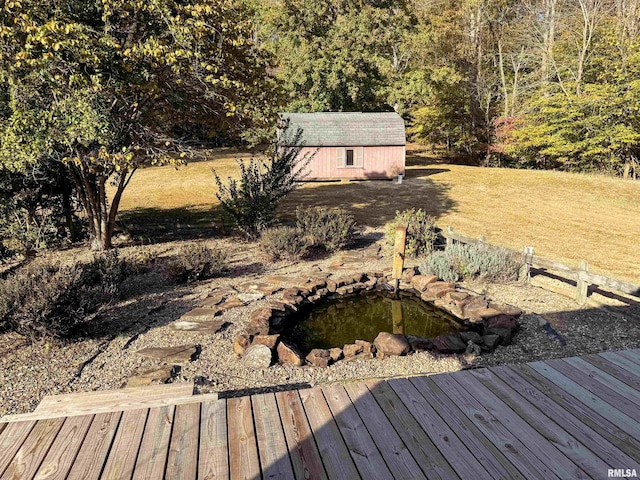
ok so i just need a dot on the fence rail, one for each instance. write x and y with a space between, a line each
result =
581 275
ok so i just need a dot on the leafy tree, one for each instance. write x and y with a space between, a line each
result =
36 209
253 200
106 87
336 55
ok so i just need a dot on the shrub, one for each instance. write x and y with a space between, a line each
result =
195 262
442 265
252 201
487 262
49 299
284 243
328 228
421 231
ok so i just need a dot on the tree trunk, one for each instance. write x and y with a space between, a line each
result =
503 80
91 189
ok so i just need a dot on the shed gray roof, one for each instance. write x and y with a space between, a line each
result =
346 129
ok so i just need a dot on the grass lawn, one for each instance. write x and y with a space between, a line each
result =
566 217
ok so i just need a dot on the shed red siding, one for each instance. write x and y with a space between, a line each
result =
378 162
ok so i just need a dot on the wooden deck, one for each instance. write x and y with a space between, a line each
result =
560 419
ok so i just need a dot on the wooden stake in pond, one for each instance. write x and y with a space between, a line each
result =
396 317
398 254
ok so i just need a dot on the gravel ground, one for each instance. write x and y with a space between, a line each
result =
107 356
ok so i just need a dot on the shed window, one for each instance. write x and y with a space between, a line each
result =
350 157
349 161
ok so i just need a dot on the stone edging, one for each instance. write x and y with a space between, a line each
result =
487 324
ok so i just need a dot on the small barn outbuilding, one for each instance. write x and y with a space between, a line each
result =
351 145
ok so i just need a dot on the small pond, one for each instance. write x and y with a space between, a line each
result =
340 321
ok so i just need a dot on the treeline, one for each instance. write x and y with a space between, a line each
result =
90 91
534 83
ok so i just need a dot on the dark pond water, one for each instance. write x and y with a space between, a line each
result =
335 323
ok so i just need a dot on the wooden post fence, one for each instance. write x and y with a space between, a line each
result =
582 276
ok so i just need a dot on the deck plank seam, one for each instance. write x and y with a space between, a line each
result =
574 420
2 470
255 431
333 419
442 456
166 458
607 403
363 423
84 437
313 435
283 432
135 462
44 455
474 430
392 426
554 435
434 441
113 439
596 420
501 431
612 369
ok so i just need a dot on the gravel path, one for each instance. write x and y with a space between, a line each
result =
108 357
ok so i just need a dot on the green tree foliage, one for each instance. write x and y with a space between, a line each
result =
335 55
108 86
534 83
37 209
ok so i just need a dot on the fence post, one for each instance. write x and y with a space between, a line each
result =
449 235
398 255
582 285
528 262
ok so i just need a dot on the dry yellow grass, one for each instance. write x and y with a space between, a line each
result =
566 217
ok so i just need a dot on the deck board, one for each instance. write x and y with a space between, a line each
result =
454 450
183 451
595 402
124 451
28 458
362 448
305 457
565 418
610 382
512 447
244 462
621 361
614 370
613 432
495 378
632 355
213 457
11 439
93 453
555 435
60 457
490 456
335 454
395 453
430 459
154 447
272 447
602 389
